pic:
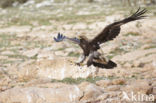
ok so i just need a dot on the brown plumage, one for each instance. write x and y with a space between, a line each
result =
112 30
90 47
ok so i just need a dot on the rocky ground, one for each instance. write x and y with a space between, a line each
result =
35 69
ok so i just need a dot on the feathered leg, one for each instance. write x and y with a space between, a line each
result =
90 59
81 60
92 56
97 60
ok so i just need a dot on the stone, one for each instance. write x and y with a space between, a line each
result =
113 88
104 83
110 97
138 86
79 26
3 57
92 26
91 92
31 53
103 96
16 29
154 91
23 72
45 55
83 85
119 81
61 53
67 27
7 53
154 83
41 95
4 83
128 65
136 54
59 68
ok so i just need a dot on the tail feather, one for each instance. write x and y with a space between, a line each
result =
136 16
109 65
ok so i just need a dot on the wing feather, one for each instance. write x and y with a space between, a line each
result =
113 30
61 37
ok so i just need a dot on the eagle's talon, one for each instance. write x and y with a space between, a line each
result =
71 62
79 64
76 64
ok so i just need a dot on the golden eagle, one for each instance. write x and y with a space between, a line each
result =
90 47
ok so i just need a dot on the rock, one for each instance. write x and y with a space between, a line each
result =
138 64
4 83
83 85
52 85
83 13
67 27
154 83
136 54
91 92
41 95
138 86
58 46
146 46
128 65
111 96
61 53
104 96
104 83
44 3
154 91
59 68
112 18
113 88
16 29
119 81
154 64
92 26
3 57
7 53
23 72
70 50
106 72
31 53
45 83
45 55
79 26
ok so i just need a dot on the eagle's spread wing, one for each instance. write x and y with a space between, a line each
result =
112 30
61 37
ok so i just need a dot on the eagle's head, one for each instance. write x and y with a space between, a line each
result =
84 43
83 38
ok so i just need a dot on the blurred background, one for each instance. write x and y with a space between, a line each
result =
42 12
9 3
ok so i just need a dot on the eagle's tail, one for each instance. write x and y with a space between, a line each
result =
136 16
109 65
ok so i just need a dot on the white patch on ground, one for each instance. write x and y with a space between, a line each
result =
154 64
29 97
63 71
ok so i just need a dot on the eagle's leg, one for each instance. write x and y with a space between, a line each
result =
90 59
81 60
94 56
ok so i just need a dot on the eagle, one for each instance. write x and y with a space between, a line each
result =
90 47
